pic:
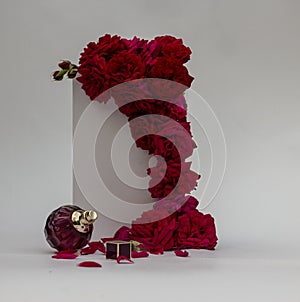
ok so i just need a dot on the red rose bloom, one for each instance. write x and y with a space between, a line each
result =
106 47
176 203
176 112
92 77
166 137
172 47
135 45
173 135
150 106
126 94
139 102
93 61
176 178
143 131
141 107
169 69
154 232
196 231
124 67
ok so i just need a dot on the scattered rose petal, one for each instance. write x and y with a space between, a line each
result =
142 254
123 259
61 255
180 253
97 245
66 254
89 264
88 251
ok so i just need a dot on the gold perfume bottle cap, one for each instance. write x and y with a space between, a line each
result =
82 219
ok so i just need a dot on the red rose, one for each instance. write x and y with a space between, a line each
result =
141 107
135 45
174 48
144 128
143 104
176 112
150 106
196 230
166 46
173 135
150 52
176 203
143 131
146 143
172 71
126 94
176 178
167 149
170 137
124 67
105 47
93 61
154 232
92 77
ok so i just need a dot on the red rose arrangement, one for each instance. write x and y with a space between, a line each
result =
157 115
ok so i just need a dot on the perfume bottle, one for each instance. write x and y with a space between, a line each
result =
69 227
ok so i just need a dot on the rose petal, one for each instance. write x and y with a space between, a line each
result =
97 245
89 264
88 251
124 260
64 256
180 253
142 254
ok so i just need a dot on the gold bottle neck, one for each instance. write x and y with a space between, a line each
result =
83 219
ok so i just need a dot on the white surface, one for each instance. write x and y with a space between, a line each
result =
246 65
233 274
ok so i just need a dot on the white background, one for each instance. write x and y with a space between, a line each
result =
246 64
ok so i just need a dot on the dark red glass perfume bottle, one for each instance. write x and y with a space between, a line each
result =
69 227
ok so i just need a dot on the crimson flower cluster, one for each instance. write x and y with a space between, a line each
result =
157 115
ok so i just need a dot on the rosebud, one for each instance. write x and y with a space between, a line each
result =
72 73
58 75
64 64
